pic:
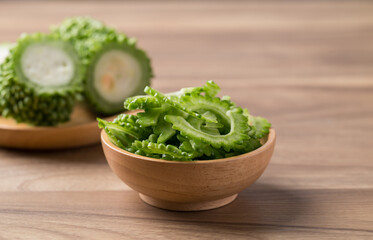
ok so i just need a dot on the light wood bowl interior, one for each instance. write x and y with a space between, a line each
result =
188 186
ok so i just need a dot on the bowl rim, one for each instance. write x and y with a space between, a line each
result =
270 140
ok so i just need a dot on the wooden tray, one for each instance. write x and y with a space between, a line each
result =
81 130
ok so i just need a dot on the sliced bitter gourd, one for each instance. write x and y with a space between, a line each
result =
259 125
192 124
130 122
167 152
141 102
238 133
210 89
116 68
40 81
124 130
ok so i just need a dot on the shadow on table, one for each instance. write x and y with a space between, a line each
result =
261 205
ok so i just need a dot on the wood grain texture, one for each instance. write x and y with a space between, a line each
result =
81 130
305 65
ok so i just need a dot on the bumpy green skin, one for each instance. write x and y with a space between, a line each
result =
259 125
142 102
87 35
91 39
160 150
190 124
237 135
31 103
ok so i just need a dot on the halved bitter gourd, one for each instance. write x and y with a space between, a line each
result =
119 70
115 67
40 80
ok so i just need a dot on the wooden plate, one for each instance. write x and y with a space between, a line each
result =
81 130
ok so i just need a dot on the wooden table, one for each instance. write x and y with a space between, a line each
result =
305 65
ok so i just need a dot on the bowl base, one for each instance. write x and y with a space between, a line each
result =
194 206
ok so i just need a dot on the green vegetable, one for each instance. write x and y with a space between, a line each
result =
259 125
40 80
115 67
186 125
4 51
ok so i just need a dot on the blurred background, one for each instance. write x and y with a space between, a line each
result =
305 65
276 42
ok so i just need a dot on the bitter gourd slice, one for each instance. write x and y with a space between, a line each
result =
115 67
194 124
167 152
237 134
40 80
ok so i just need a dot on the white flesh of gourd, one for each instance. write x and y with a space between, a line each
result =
116 75
47 65
4 52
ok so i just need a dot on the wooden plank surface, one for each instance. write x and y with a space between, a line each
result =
305 65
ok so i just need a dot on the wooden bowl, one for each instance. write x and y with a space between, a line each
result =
188 186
